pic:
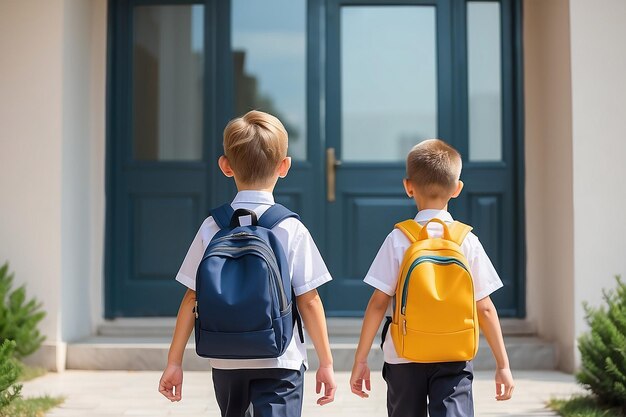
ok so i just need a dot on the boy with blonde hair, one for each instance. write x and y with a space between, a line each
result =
443 388
255 155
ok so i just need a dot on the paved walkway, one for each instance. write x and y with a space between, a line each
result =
116 393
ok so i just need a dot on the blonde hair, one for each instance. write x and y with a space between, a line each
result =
255 144
434 167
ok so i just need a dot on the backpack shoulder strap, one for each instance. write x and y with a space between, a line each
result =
222 215
458 231
274 215
410 228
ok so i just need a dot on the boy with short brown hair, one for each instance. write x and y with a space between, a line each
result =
444 388
255 155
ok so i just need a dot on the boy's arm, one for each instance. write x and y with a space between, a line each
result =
490 326
171 382
312 313
376 309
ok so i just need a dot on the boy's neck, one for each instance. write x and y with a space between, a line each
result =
269 190
431 204
255 187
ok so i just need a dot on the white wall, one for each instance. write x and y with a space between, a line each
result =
53 56
549 170
598 32
30 156
84 54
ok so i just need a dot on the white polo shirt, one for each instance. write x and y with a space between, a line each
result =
383 273
306 267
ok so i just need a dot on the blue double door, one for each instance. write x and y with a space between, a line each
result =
356 83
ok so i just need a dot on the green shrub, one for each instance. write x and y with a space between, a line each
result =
9 372
19 317
603 349
31 407
579 406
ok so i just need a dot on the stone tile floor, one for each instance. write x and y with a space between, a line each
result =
120 393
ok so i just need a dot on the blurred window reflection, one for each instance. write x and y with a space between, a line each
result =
168 82
269 52
388 80
484 81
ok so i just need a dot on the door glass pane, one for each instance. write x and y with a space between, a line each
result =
388 80
484 81
269 56
168 82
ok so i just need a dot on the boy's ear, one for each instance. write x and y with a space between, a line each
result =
225 166
283 167
458 190
408 187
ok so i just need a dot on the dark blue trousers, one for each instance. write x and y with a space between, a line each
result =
444 389
269 392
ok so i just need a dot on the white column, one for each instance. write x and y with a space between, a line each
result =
31 44
549 174
599 147
53 56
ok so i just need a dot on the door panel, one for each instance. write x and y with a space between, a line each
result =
180 71
158 148
381 100
487 134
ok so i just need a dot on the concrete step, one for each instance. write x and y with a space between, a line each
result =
142 344
164 327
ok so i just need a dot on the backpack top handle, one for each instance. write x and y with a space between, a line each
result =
424 232
235 219
456 231
223 216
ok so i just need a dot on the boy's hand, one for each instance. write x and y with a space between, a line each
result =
326 376
360 374
504 384
171 383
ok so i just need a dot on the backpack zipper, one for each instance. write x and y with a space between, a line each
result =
439 260
238 235
267 256
270 258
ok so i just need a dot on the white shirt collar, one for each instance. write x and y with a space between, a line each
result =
425 215
255 197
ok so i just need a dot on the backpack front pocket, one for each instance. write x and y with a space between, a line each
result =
439 347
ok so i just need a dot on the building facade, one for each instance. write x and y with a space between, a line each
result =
112 112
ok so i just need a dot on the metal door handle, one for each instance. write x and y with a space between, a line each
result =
331 165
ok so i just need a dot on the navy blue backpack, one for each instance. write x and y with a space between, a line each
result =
245 305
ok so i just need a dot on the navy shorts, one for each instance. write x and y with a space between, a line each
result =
268 392
444 389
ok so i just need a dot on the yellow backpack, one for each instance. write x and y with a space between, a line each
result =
434 318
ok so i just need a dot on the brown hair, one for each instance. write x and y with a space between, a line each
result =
434 167
255 144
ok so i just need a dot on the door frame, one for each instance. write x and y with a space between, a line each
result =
119 121
217 46
512 79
